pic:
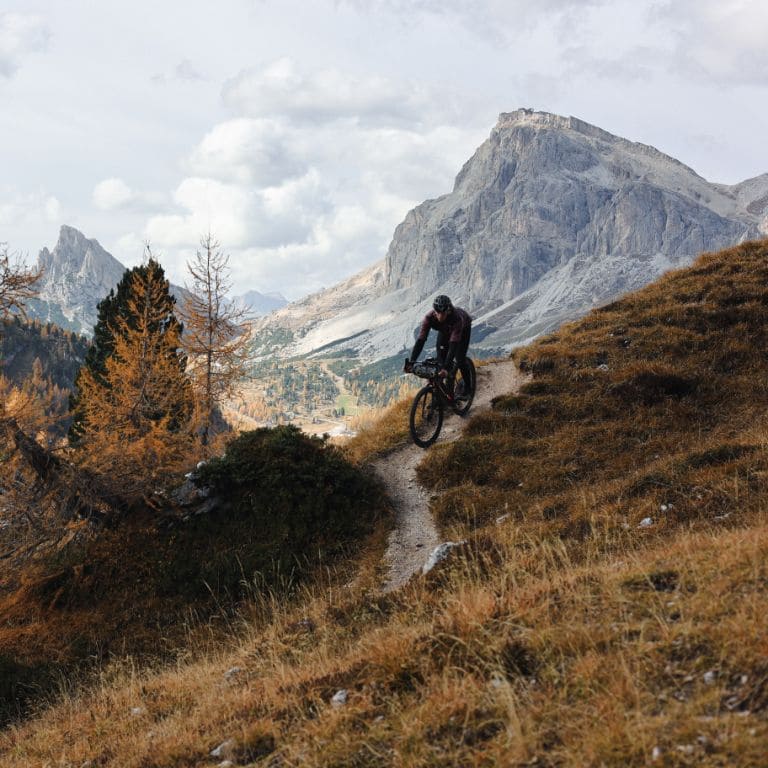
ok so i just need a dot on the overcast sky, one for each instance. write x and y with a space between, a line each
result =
301 133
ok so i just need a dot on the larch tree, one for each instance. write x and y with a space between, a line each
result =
135 407
17 283
216 335
113 312
17 286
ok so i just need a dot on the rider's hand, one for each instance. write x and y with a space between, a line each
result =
443 374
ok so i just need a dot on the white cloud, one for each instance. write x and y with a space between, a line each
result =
719 40
328 95
111 194
245 151
114 194
496 20
28 209
300 202
20 35
52 209
186 70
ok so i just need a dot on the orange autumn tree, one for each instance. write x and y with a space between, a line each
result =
136 414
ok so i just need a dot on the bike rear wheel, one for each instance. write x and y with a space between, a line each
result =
426 417
464 391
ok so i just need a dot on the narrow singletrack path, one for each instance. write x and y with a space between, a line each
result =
415 535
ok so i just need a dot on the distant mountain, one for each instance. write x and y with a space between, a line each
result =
257 304
550 217
77 274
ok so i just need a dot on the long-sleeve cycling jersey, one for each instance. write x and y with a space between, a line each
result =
455 329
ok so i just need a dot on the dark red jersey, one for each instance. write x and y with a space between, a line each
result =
454 325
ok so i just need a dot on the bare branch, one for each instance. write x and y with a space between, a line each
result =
17 283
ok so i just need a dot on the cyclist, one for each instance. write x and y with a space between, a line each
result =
454 327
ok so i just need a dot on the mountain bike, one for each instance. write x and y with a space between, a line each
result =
429 405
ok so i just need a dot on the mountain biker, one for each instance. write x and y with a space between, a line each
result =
454 327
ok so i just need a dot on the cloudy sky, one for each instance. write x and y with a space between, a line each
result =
300 133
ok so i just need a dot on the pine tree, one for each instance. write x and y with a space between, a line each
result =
216 334
135 404
115 311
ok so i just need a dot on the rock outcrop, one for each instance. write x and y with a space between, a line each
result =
77 274
550 217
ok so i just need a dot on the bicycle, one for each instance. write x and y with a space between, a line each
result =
427 411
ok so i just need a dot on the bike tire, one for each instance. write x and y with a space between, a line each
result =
426 418
461 405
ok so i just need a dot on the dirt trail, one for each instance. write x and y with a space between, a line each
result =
415 535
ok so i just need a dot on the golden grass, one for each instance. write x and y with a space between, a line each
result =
562 633
493 662
383 436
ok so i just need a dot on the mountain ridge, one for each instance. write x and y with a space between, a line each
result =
549 217
78 273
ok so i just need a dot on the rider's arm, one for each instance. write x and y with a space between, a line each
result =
417 347
423 333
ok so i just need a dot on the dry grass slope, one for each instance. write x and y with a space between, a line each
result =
565 633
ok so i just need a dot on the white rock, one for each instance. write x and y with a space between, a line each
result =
646 522
655 754
138 711
710 677
340 698
225 750
439 553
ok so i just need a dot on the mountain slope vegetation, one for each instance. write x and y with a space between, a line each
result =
606 609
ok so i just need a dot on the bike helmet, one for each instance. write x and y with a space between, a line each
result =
442 304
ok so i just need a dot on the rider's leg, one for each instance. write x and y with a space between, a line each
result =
441 347
461 357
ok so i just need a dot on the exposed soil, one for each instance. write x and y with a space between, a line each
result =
415 535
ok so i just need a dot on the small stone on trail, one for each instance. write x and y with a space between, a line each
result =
226 749
646 522
439 554
138 711
710 677
339 698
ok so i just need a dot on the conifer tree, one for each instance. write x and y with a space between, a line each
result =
216 334
112 312
135 403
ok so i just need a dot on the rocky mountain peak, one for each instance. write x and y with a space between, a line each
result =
77 274
549 217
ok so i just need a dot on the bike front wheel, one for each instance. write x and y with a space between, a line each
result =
426 417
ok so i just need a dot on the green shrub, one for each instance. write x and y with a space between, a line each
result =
299 487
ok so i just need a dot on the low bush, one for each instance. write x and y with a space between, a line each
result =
299 488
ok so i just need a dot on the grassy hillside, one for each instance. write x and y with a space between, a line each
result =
607 609
286 505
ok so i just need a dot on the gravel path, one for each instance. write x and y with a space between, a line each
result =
415 535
